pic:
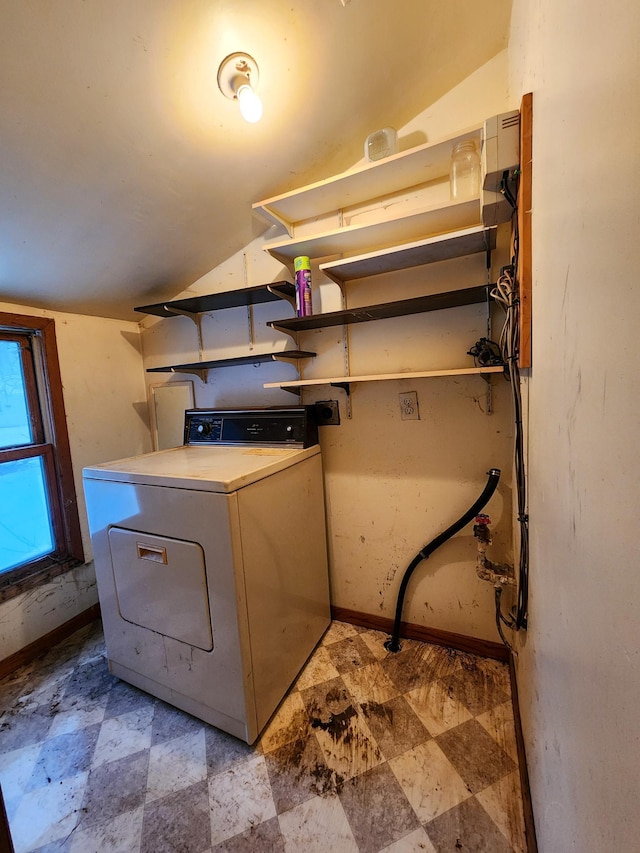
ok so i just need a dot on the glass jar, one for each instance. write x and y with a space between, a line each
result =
464 173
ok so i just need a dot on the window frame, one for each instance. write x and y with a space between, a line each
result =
51 443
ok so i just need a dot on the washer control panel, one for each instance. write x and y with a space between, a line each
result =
273 427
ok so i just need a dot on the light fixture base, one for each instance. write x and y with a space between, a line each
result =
235 69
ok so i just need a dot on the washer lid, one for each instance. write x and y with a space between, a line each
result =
207 469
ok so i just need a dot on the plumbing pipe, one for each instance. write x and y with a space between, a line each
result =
393 643
486 569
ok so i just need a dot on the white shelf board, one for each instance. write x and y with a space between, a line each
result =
380 377
443 247
369 181
452 216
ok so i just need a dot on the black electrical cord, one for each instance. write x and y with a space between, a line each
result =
393 644
523 518
506 294
505 188
486 353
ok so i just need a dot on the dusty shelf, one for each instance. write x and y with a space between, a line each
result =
381 377
218 301
407 169
469 241
452 216
397 308
200 367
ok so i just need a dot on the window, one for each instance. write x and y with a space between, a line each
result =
39 526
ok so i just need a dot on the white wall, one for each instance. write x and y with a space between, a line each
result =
104 397
579 666
391 485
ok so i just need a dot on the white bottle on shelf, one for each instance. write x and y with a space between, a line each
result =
464 173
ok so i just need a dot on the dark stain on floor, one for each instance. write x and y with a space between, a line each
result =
338 724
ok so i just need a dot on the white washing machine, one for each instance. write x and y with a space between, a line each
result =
211 563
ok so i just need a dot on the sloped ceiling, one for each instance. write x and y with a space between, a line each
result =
126 175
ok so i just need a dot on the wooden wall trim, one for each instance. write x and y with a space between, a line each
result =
36 574
23 321
68 497
484 648
69 545
524 273
529 825
43 644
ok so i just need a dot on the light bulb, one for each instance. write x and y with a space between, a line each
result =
250 104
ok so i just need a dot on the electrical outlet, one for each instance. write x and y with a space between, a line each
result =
409 406
327 413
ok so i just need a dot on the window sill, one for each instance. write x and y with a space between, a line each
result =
17 581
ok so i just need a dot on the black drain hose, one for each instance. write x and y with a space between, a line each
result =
393 643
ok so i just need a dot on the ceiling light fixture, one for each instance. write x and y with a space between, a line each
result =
237 79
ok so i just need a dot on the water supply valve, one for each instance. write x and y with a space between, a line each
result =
481 528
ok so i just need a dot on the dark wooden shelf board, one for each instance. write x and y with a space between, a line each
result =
255 358
441 248
219 301
398 308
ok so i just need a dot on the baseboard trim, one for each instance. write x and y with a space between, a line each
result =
529 825
484 648
43 644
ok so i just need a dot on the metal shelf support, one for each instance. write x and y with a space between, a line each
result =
197 319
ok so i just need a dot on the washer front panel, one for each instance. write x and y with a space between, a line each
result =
219 678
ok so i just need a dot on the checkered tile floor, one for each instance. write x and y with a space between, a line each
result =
370 751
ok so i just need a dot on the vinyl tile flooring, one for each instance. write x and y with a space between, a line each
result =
369 751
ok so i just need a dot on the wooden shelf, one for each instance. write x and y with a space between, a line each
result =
218 301
452 216
384 310
456 244
254 358
201 367
407 169
382 377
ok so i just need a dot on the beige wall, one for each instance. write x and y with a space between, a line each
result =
104 396
578 670
391 485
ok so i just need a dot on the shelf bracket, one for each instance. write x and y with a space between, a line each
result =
345 355
273 218
251 326
201 372
195 317
293 335
489 286
296 391
346 387
489 407
290 299
282 356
